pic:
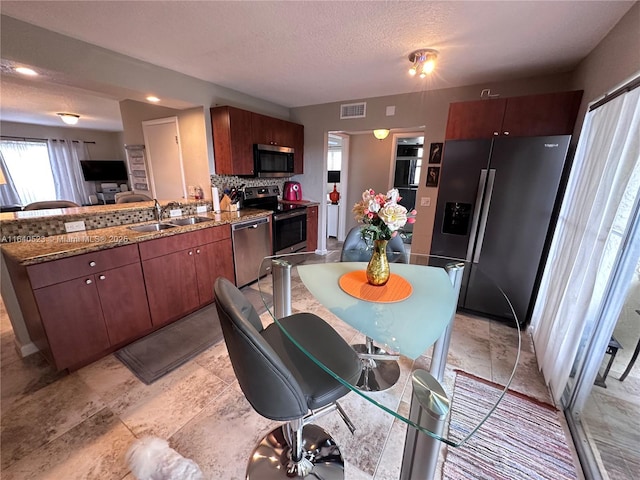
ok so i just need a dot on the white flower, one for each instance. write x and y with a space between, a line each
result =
393 215
393 195
373 206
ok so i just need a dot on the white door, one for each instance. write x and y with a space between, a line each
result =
164 156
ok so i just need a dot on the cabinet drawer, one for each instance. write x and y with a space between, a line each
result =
167 245
57 271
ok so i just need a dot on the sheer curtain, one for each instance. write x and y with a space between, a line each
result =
65 158
8 193
28 172
606 170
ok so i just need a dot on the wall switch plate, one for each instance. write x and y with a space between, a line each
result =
391 110
201 209
175 213
74 226
425 201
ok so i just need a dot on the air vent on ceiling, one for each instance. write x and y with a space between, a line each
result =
353 110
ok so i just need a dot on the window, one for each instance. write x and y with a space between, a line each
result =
27 163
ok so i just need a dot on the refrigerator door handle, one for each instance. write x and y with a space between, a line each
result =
476 213
485 214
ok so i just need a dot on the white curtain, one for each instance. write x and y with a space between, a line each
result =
28 172
65 158
606 171
8 193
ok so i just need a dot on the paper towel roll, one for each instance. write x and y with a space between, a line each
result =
216 199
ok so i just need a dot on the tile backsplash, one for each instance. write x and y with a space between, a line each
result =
45 225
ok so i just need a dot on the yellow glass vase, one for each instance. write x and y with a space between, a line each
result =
378 267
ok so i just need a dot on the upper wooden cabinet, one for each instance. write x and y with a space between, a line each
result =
232 141
528 116
235 131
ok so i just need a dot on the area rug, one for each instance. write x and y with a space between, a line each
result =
523 438
164 350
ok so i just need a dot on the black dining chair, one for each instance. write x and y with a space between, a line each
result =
281 382
380 369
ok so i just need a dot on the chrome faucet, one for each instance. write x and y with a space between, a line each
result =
159 210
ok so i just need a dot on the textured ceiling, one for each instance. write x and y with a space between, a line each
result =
311 52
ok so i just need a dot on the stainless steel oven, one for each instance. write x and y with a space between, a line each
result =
289 220
290 231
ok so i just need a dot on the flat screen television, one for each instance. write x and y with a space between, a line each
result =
104 170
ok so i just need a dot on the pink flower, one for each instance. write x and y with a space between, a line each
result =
411 220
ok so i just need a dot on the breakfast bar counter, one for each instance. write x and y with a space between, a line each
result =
35 246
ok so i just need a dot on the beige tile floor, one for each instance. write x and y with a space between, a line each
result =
79 425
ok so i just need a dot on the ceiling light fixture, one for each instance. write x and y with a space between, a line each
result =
26 71
424 61
381 133
69 118
153 99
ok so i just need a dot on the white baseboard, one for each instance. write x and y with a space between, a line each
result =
26 349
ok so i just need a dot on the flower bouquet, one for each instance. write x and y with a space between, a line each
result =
382 217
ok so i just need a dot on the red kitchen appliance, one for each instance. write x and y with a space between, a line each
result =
292 191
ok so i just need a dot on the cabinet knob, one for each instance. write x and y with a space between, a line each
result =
102 277
495 134
198 250
506 133
190 252
92 264
88 281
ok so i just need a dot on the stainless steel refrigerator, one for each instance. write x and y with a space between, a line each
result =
495 207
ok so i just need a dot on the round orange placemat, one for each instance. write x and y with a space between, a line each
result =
395 290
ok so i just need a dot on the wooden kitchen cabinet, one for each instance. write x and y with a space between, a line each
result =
180 280
87 304
312 228
73 321
525 116
232 141
235 131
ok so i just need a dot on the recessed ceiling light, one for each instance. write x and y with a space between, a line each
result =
26 71
151 98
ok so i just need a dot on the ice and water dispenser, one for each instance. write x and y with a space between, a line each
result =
457 218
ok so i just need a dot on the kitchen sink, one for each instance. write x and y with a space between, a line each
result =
152 227
189 220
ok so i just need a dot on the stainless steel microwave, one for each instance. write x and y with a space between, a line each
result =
272 160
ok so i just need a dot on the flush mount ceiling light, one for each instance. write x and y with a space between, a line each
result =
26 71
69 118
153 99
424 61
381 133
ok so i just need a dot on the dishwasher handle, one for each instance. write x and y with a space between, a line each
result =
255 223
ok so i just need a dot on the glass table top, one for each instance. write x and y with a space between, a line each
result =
406 328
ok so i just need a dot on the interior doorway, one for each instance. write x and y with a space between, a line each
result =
164 157
336 185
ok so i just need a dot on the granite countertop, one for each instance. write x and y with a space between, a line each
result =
306 203
38 249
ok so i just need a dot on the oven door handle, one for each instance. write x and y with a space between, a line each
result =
283 216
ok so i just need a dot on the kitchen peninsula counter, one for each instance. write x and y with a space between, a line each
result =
29 249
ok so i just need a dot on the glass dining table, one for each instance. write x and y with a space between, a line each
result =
411 324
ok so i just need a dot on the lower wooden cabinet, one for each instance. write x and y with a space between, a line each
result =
73 321
312 228
180 282
85 316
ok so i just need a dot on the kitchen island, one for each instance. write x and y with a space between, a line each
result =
85 294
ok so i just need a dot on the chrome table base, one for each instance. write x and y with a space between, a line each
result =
271 459
377 374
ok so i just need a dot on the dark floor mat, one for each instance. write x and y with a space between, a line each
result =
166 349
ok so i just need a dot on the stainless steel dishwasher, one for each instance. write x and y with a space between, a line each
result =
251 243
